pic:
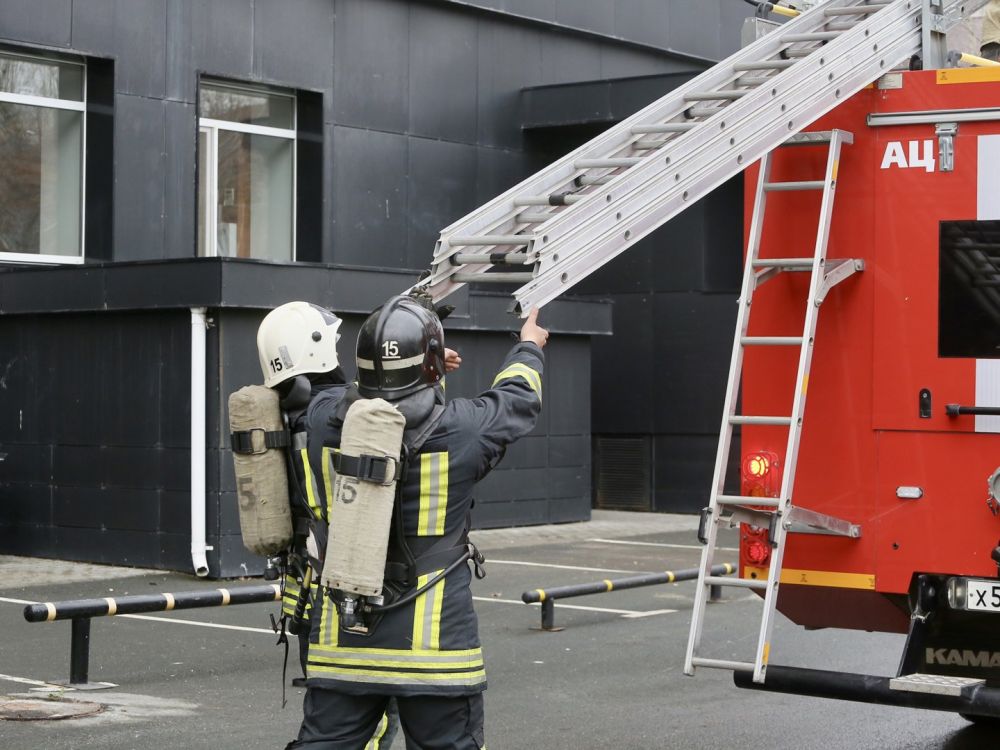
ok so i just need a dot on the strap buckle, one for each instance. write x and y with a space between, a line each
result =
243 441
383 470
257 440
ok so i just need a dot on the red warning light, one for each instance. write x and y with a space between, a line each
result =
759 475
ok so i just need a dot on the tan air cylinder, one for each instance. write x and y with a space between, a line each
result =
361 511
261 476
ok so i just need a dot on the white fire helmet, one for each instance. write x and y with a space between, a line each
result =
297 338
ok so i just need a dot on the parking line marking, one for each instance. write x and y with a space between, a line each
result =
491 561
661 544
559 605
637 615
26 681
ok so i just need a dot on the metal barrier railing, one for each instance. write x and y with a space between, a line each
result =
81 611
548 597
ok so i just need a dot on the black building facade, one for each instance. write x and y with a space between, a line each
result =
162 160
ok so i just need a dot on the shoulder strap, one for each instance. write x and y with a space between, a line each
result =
413 442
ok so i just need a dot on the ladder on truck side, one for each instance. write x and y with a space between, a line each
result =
558 226
777 514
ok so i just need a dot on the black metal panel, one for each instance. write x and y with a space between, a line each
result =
372 90
683 466
499 86
105 507
180 180
645 21
442 63
310 209
26 504
695 33
136 31
293 43
139 167
37 21
140 285
595 15
608 100
497 171
369 180
441 174
215 38
693 334
724 237
100 155
624 383
568 58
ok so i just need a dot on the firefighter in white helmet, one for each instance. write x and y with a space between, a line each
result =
422 645
297 347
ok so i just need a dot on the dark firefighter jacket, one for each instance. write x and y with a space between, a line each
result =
307 503
431 645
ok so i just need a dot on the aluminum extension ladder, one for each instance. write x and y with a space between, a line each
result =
563 223
777 514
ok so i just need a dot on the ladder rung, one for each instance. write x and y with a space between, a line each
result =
556 199
763 502
799 52
855 10
472 259
650 143
765 65
760 420
667 127
795 185
771 340
809 138
785 263
742 583
490 239
740 666
816 36
700 96
586 179
615 163
493 278
704 111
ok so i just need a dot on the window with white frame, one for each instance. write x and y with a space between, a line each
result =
42 124
246 172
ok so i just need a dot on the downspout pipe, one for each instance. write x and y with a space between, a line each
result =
198 376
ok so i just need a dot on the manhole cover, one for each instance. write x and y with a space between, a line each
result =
48 709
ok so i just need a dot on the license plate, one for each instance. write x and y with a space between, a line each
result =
983 595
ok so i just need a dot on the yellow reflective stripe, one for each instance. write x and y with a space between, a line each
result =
427 614
327 461
419 611
376 741
401 678
408 654
433 494
828 578
328 625
311 488
518 369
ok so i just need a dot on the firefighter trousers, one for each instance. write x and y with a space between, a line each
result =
338 721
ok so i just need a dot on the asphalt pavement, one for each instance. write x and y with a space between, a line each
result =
611 678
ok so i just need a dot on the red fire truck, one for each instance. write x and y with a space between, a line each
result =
900 432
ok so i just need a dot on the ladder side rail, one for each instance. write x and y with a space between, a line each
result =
501 209
651 199
764 48
798 406
728 411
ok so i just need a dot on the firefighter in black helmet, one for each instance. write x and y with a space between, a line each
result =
426 652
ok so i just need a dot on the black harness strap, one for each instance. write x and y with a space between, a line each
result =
258 440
